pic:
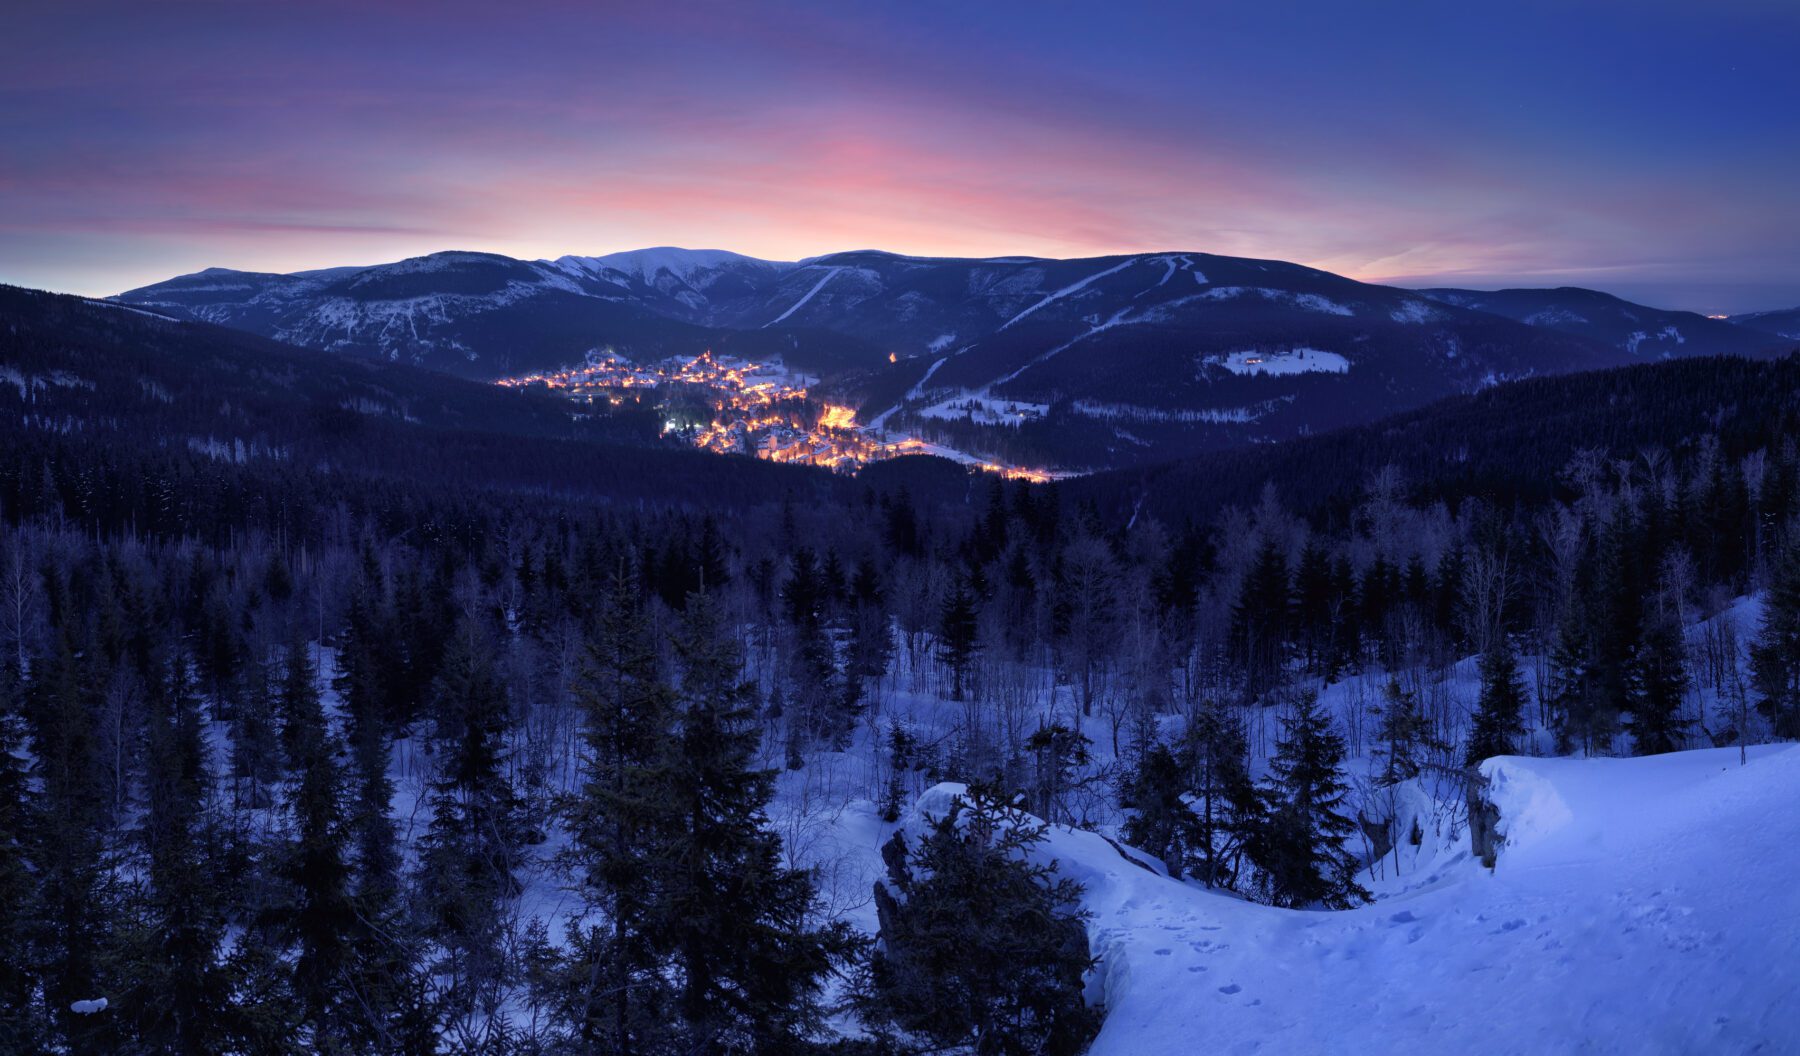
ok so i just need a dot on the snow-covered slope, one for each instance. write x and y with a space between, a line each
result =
1639 906
1637 330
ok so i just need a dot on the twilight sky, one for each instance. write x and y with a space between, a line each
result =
1648 148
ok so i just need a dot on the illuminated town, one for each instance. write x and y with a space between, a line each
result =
731 406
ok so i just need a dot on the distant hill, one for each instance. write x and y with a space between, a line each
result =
1638 331
115 376
1783 323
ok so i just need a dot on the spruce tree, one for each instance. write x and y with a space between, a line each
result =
468 855
1260 621
363 687
980 948
957 630
1655 721
1500 710
1162 822
181 984
320 919
1405 735
730 914
256 751
22 1026
616 994
1227 806
1775 655
1300 849
68 849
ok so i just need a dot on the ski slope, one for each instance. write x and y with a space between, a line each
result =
1639 906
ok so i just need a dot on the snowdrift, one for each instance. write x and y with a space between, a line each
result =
1638 906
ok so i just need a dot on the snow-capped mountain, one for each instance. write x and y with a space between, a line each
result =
1637 330
1783 323
1083 362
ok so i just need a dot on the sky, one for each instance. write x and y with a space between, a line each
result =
1650 149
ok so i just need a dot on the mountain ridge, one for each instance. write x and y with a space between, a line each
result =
1079 363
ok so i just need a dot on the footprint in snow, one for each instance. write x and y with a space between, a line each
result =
1164 952
1405 916
1230 988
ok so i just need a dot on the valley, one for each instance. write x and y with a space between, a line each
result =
735 407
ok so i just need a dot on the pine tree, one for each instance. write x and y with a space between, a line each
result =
320 920
1260 620
1227 807
957 636
363 686
1775 655
1162 822
980 948
22 1026
180 978
1578 712
468 854
1655 721
1300 849
1058 753
1405 735
902 754
1500 710
256 751
617 995
731 915
77 905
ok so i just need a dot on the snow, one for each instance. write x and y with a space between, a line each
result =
830 273
1291 361
1211 415
646 264
88 1007
1312 302
1074 287
985 410
1413 310
1667 333
1639 906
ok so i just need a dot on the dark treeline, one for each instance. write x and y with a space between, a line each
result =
315 755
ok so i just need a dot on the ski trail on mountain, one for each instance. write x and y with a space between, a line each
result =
911 394
829 274
1164 281
1066 290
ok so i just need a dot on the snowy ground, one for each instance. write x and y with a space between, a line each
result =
1641 906
1638 906
1289 361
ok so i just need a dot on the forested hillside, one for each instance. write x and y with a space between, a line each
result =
351 708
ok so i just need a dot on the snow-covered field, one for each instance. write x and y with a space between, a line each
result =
1639 906
1290 361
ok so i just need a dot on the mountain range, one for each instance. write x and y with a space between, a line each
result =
1081 363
